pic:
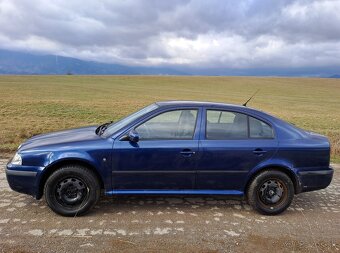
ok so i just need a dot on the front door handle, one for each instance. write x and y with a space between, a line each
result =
259 152
187 152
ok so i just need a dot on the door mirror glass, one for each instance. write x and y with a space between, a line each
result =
133 136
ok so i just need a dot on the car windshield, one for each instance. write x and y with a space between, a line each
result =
114 127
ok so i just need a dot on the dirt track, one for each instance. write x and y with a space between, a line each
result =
171 224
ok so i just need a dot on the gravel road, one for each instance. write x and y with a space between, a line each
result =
171 224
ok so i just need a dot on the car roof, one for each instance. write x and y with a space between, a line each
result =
196 103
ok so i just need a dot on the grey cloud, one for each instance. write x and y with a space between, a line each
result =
199 33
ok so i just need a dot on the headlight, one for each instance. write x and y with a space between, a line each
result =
16 159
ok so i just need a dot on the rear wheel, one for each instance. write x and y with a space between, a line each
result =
72 190
271 192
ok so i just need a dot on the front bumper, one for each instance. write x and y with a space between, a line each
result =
22 179
312 180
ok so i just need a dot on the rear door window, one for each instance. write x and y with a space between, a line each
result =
225 125
228 125
259 129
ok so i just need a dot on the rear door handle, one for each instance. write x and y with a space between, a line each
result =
187 152
259 152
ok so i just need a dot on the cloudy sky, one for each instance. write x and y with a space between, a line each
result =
199 33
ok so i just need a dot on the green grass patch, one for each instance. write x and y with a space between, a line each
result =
36 104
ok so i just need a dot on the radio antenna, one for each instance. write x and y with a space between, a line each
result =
245 104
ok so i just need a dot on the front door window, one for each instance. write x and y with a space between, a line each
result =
171 125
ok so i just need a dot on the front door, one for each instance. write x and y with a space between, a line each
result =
165 157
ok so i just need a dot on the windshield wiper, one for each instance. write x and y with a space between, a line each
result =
101 129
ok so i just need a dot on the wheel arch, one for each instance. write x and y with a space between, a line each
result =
60 163
288 171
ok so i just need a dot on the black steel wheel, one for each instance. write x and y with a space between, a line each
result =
72 190
271 192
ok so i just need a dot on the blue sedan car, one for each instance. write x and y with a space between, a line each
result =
175 147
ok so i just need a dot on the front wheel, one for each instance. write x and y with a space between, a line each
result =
72 190
271 192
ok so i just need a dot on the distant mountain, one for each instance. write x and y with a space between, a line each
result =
20 63
25 63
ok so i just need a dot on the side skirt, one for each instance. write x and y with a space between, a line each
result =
175 192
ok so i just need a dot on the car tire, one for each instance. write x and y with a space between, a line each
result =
72 190
270 192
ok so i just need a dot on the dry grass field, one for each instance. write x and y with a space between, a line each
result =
30 105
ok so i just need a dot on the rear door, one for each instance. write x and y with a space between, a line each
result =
231 144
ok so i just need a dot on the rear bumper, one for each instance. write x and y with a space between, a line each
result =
312 180
22 179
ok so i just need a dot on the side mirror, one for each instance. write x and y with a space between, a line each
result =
133 136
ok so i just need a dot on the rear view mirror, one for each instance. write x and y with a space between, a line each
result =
133 136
